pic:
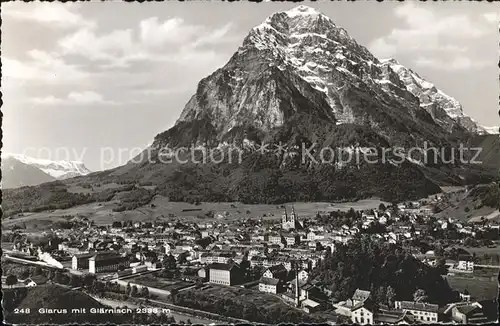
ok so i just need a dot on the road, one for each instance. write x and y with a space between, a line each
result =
487 266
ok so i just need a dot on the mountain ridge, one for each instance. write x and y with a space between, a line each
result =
21 170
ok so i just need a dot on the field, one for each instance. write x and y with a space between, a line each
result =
479 288
159 283
259 299
160 208
482 250
468 206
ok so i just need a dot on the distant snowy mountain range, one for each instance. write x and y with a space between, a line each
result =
492 130
20 170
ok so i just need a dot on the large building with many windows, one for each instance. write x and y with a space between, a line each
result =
106 262
225 274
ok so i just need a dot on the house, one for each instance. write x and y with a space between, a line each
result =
270 285
466 265
292 240
360 296
276 271
362 309
303 276
152 263
203 273
362 313
139 269
35 281
465 296
225 274
466 313
393 317
310 306
275 239
424 312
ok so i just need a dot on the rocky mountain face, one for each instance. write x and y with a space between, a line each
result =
300 62
444 109
20 170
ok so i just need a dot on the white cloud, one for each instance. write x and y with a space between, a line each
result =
73 98
48 100
56 14
151 51
454 64
153 33
85 42
170 40
426 32
42 67
492 17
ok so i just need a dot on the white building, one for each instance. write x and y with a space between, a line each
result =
424 312
303 276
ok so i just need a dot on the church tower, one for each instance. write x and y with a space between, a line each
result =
293 217
284 219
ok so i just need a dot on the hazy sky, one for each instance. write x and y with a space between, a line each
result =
98 78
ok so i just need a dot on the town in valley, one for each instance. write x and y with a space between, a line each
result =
290 263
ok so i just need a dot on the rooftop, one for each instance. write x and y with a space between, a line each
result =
421 306
224 267
269 281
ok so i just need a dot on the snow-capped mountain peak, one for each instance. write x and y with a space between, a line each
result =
302 11
300 61
491 130
56 169
440 105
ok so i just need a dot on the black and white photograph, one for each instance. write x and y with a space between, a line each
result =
238 162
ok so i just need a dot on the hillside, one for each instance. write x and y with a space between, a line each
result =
481 201
61 300
17 174
20 170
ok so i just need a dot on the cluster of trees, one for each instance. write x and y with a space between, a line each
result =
50 196
488 195
339 218
133 291
368 263
11 280
11 237
21 271
133 199
272 180
240 306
